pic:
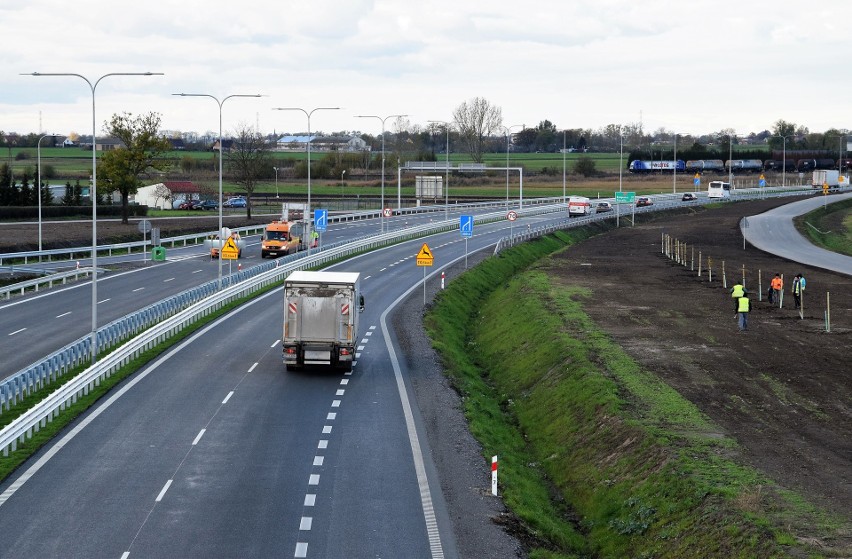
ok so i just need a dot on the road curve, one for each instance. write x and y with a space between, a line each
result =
774 232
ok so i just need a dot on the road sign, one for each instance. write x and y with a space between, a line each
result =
230 250
466 225
825 188
321 220
387 212
696 180
512 215
762 181
624 197
144 226
424 257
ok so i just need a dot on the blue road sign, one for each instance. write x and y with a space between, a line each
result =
321 220
466 225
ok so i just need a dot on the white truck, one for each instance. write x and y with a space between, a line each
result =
579 205
321 319
829 177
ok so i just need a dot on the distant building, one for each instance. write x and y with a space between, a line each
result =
351 143
165 195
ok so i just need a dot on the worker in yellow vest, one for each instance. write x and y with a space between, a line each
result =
738 291
743 306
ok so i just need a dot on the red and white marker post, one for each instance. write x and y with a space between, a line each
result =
494 475
443 276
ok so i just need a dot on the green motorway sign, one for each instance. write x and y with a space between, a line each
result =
624 197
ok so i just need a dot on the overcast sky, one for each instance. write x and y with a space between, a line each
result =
687 66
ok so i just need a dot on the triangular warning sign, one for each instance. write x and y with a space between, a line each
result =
230 244
424 252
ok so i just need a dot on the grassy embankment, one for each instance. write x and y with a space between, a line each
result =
830 228
598 457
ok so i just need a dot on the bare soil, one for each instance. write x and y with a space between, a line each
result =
782 390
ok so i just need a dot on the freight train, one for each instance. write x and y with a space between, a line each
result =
734 165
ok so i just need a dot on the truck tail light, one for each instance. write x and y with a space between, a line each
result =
290 350
344 351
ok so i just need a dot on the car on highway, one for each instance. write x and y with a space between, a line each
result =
643 201
234 203
603 207
188 205
207 205
688 197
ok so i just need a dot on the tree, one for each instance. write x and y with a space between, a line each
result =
476 120
143 149
249 160
585 166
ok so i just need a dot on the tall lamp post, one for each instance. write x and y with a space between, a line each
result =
508 130
38 152
308 114
342 185
564 148
276 181
382 120
674 171
93 193
620 155
221 154
730 160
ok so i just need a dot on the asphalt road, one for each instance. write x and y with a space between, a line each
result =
774 232
215 451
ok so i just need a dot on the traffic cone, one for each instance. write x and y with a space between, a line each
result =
239 266
78 264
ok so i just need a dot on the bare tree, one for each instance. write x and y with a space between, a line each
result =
249 160
476 120
162 192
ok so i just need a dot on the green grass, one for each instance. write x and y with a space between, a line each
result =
598 457
830 227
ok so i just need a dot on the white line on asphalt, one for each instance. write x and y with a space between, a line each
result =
340 392
197 271
163 491
310 500
314 479
168 280
301 550
326 429
104 301
367 277
138 289
228 397
383 269
305 523
365 340
344 381
323 443
360 348
17 332
335 403
331 416
318 460
369 333
198 437
63 314
275 344
373 327
252 367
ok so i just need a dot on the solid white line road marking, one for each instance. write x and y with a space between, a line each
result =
301 550
305 523
314 479
163 491
228 397
63 314
17 332
198 437
322 444
310 500
318 460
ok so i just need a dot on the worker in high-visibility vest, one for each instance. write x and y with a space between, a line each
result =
738 291
775 288
743 306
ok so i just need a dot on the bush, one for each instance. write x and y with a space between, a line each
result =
585 166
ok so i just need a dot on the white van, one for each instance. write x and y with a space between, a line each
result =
719 189
579 205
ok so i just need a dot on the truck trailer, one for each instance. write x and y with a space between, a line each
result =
321 319
829 177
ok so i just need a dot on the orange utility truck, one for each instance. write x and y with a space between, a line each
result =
281 238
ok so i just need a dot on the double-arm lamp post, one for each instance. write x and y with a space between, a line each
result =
94 189
382 219
309 217
221 154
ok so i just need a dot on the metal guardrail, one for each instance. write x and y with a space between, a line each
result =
166 318
34 284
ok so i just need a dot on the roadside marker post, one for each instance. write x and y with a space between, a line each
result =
443 276
494 475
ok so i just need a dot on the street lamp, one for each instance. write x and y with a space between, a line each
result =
307 232
221 153
730 161
38 151
620 155
564 148
276 181
382 120
342 185
508 129
93 192
674 171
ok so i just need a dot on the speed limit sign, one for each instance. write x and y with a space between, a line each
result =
387 212
512 216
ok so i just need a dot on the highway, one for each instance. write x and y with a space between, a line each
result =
213 450
775 233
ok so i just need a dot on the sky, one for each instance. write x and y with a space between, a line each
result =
689 67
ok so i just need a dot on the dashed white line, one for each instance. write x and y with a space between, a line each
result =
335 404
322 444
314 479
228 397
318 460
301 550
197 271
104 301
340 392
367 277
275 343
63 314
168 280
326 429
198 437
344 381
163 491
138 289
252 367
383 269
369 333
310 500
360 348
305 523
331 416
17 332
